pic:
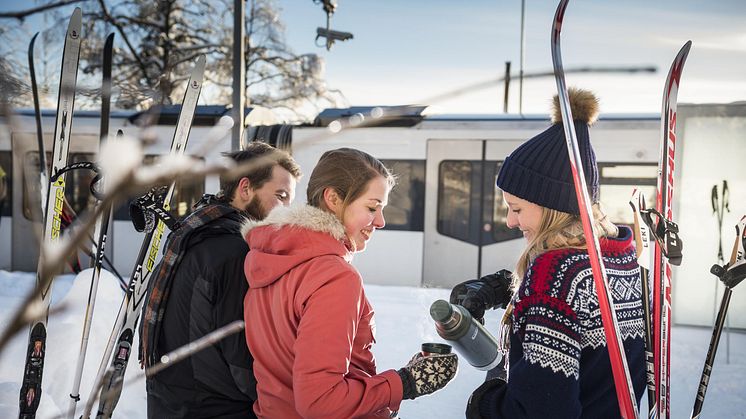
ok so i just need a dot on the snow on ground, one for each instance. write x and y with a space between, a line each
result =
402 321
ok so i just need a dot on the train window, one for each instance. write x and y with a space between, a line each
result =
618 180
406 208
455 198
467 189
6 184
184 197
498 228
77 184
460 199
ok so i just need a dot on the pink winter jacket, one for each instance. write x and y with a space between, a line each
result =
309 326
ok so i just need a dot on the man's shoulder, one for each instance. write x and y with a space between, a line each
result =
229 244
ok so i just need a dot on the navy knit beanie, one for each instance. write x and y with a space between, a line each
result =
539 169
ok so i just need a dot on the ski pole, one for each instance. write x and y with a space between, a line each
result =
169 359
731 275
642 239
102 226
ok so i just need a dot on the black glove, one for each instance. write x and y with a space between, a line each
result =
475 400
488 292
427 374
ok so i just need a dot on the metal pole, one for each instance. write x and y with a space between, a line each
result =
507 86
239 74
523 47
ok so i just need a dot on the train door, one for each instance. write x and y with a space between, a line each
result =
26 215
465 231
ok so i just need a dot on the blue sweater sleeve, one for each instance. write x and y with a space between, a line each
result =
544 376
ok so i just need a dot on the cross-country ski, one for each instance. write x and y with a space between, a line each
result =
31 389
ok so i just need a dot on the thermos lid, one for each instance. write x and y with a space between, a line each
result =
441 311
436 348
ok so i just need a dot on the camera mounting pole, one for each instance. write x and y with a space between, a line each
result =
329 7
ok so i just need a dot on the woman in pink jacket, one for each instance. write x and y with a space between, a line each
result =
309 324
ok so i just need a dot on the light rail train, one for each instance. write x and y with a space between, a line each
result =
445 221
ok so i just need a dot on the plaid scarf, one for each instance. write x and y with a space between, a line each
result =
160 285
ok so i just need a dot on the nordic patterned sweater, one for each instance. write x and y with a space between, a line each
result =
559 363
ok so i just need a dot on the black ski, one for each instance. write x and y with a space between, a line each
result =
100 231
34 367
731 275
109 380
43 176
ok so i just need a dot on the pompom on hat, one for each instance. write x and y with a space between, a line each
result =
539 169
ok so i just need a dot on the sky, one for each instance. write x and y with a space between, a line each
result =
407 51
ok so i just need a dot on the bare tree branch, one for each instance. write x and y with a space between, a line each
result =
21 15
124 36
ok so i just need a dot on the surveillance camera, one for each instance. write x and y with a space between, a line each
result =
333 35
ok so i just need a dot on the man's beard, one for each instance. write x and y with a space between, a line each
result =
255 210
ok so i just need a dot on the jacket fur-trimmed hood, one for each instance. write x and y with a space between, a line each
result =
290 237
306 216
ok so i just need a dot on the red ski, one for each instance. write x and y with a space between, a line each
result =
666 243
622 381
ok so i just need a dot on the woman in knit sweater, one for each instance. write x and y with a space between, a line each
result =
558 362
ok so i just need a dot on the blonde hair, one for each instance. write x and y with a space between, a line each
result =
560 230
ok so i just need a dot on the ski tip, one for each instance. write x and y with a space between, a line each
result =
684 51
31 49
198 72
109 41
33 40
201 60
559 15
674 76
76 23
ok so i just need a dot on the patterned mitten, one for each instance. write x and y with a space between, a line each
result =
427 374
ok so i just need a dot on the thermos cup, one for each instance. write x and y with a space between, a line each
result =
456 325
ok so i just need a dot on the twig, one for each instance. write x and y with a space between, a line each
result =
21 15
167 360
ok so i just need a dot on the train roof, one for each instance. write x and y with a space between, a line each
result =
204 115
536 117
386 116
414 115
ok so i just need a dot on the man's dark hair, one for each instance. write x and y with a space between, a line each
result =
265 157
